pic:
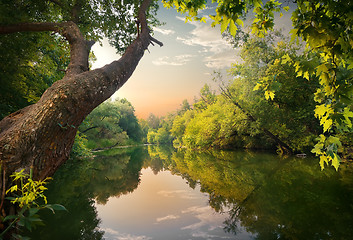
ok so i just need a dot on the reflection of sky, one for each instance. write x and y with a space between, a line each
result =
162 207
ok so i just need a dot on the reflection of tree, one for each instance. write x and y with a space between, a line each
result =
79 182
159 157
298 202
271 197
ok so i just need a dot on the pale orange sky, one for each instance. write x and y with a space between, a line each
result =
167 75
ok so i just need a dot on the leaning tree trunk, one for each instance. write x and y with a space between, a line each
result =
41 135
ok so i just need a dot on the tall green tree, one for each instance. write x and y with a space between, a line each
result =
112 123
286 116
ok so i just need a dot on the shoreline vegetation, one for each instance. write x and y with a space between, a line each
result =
237 115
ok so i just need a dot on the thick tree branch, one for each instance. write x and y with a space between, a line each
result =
153 40
121 70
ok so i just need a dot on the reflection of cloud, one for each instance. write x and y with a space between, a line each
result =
205 235
163 31
206 218
175 61
208 222
123 236
168 217
178 193
220 52
110 231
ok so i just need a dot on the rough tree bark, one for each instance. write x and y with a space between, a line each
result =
41 135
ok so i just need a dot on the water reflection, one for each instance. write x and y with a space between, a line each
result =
274 198
264 195
79 183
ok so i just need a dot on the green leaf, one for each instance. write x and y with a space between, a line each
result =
306 75
336 161
257 87
323 109
269 94
224 24
327 124
334 140
286 8
33 211
9 217
286 58
317 149
323 160
239 22
57 207
232 28
257 3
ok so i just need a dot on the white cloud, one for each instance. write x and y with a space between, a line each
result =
218 53
164 31
222 59
173 61
123 236
168 217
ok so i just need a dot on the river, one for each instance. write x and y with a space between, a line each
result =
158 193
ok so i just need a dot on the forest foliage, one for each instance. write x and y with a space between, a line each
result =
111 124
324 26
263 104
271 100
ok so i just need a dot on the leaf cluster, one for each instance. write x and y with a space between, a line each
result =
27 194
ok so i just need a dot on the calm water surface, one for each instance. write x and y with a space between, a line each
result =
161 194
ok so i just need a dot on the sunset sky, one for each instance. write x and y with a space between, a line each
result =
167 75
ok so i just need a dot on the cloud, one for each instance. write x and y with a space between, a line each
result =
222 59
175 61
218 53
168 217
164 31
124 236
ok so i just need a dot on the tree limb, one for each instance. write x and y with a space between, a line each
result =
153 40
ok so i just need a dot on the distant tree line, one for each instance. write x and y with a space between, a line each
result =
278 115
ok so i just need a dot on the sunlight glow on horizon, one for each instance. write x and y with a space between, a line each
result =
167 75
